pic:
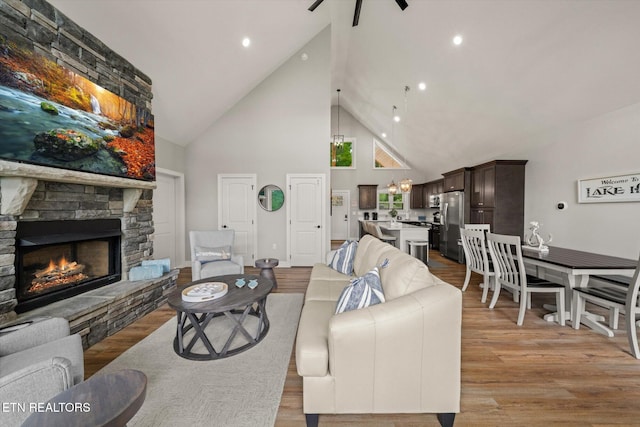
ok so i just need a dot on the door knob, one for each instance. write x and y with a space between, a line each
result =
224 226
317 226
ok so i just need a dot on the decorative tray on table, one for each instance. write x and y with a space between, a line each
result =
204 291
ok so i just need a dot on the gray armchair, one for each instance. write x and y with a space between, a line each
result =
37 362
212 254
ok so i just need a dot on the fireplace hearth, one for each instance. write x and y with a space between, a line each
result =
59 259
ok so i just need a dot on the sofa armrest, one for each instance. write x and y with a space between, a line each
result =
238 259
36 383
405 353
196 266
37 333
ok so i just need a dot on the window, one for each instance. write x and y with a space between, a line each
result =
343 154
384 158
387 201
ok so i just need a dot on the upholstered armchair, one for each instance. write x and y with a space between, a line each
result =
37 361
212 254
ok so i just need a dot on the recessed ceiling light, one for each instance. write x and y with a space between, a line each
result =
422 86
384 135
304 56
246 42
396 118
457 40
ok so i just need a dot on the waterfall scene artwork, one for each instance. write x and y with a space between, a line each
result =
54 117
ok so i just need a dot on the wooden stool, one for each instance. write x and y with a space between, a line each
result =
413 246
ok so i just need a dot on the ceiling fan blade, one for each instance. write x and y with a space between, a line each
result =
356 14
402 3
315 4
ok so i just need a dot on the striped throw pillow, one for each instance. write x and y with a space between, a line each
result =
342 260
361 292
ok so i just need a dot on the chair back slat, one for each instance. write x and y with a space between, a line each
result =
473 243
482 227
506 254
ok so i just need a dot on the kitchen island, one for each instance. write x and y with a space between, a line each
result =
404 232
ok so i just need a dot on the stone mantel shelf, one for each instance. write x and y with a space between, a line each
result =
18 181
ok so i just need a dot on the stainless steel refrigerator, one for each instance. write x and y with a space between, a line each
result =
452 218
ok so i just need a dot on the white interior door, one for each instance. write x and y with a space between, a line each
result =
237 197
168 217
306 219
340 203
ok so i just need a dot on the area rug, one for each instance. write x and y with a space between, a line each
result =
238 391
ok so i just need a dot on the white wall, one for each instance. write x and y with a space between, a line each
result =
169 155
365 173
280 127
605 146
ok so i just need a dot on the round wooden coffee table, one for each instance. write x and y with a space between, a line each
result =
102 400
236 305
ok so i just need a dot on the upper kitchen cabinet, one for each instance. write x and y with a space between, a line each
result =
456 180
418 196
368 196
497 196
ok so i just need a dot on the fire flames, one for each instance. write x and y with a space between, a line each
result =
57 274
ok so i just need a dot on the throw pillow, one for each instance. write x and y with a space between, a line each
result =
342 260
361 292
205 254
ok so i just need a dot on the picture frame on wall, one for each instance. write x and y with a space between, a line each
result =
619 188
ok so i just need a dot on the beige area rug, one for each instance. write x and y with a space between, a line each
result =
238 391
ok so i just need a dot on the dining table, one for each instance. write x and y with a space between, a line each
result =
576 267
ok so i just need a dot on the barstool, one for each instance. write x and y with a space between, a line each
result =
413 246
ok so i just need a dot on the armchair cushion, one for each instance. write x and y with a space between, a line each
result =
361 292
38 331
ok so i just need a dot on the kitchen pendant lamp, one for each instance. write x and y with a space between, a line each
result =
337 138
392 188
405 185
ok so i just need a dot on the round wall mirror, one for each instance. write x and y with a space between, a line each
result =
271 197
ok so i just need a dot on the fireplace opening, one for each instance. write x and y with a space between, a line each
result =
59 259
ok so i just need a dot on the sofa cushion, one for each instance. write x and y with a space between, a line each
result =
361 292
343 258
370 250
312 346
325 290
404 274
324 272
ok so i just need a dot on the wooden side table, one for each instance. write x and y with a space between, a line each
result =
102 400
266 269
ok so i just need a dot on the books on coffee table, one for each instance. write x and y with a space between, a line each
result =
204 291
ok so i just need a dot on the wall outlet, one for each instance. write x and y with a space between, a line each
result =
275 246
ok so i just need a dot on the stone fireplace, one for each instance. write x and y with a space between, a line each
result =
59 259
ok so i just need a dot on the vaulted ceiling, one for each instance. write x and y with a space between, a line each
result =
524 67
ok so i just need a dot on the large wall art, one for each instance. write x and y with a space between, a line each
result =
51 116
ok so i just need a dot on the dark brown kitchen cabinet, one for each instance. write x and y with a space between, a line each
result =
417 196
367 196
483 186
455 180
497 196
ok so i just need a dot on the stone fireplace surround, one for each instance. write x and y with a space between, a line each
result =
29 192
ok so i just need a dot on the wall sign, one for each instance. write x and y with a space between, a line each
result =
621 188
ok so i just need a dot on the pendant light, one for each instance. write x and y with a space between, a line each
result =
337 138
393 188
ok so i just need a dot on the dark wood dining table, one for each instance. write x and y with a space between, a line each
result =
576 267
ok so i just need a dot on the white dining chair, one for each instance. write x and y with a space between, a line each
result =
482 227
506 253
619 298
477 259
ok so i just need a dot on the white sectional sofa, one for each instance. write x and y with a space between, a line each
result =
399 356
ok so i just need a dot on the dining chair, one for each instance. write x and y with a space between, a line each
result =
477 259
617 299
506 253
483 227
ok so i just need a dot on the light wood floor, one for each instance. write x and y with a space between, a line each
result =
539 374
